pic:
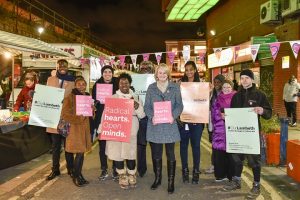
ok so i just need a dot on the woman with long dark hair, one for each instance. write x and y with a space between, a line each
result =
190 132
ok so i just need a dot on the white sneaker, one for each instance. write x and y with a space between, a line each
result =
210 170
218 180
294 124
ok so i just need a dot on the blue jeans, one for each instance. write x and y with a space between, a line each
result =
194 134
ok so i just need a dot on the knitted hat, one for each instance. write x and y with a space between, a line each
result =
229 82
247 72
220 77
107 67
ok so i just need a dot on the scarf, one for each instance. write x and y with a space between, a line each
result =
162 86
65 77
125 96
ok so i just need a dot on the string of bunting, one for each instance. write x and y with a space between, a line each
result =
254 49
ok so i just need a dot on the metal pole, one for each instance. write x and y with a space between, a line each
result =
12 81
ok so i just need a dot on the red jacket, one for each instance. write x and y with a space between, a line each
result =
23 98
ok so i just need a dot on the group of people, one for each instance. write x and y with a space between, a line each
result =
226 166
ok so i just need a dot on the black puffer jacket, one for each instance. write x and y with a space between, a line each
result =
252 97
100 107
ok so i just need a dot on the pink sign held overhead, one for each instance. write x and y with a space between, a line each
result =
162 112
117 120
84 105
103 91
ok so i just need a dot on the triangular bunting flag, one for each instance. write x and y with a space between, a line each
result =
146 56
158 57
274 48
133 59
254 51
112 59
171 56
295 45
186 53
122 60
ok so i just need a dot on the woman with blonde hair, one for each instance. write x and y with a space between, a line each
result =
165 133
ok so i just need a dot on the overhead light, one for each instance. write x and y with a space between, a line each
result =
187 10
212 32
41 30
7 55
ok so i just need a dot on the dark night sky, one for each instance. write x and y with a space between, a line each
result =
136 26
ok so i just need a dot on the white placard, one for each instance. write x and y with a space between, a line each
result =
242 132
46 106
140 82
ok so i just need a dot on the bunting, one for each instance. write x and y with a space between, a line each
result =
122 59
112 59
254 51
158 57
133 59
274 48
146 56
171 56
295 45
186 52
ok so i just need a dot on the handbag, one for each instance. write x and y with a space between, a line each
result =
63 128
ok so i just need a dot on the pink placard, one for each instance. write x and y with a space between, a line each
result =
103 91
84 105
117 120
162 112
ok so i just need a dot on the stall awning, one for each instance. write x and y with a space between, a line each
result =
16 44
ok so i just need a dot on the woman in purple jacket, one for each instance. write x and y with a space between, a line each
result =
223 166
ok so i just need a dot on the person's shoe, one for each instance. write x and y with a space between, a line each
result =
195 179
254 192
232 185
52 175
157 168
71 173
218 180
132 178
123 179
294 124
171 167
185 175
210 170
103 176
78 182
115 175
83 180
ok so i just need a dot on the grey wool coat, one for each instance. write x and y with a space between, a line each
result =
163 133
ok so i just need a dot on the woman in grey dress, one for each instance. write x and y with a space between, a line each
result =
163 133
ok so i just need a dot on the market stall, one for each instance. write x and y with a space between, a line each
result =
20 142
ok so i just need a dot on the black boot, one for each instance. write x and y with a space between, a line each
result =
53 174
78 182
195 179
157 168
83 180
171 175
70 172
185 175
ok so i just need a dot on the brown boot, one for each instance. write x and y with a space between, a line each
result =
132 177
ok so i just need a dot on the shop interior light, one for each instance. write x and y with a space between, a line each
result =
188 10
7 55
41 30
213 32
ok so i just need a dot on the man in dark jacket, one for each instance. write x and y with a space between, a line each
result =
249 96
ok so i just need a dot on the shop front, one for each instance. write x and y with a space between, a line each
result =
19 142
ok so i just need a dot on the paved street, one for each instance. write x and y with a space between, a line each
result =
33 185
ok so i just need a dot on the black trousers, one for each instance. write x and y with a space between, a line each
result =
223 165
129 163
78 163
157 151
254 161
56 147
291 110
102 155
141 158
